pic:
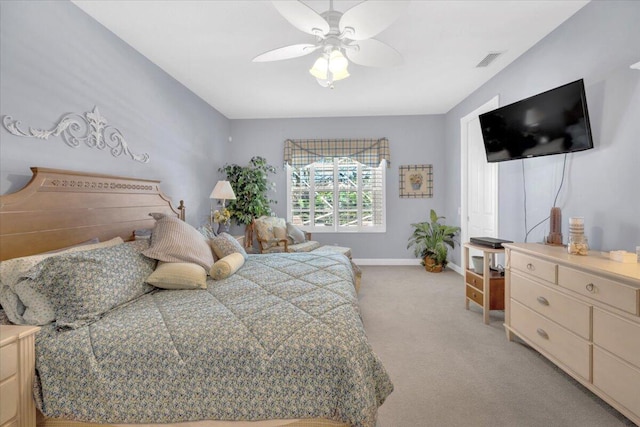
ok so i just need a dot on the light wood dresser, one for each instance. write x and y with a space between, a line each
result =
17 364
582 313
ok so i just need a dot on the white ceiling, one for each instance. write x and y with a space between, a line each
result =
208 46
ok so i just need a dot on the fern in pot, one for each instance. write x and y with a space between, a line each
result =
431 241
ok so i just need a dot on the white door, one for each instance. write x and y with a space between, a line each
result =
479 210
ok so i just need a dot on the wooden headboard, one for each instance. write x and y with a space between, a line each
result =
59 208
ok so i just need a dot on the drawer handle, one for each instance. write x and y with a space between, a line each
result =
474 281
542 333
474 295
591 287
543 301
530 267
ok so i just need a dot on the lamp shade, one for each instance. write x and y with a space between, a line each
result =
320 67
337 62
223 191
341 75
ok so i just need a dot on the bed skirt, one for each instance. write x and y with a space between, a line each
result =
42 421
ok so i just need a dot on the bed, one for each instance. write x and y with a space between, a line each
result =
280 342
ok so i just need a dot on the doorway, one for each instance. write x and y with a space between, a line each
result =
479 204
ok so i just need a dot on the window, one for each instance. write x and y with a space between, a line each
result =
337 194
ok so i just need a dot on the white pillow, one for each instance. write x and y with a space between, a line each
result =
226 266
178 275
295 234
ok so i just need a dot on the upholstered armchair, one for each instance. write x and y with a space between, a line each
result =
276 235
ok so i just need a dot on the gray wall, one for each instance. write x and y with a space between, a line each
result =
598 44
412 139
55 59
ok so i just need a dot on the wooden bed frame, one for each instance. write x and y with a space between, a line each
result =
60 208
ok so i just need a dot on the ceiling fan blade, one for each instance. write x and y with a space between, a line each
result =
287 52
374 53
302 17
371 17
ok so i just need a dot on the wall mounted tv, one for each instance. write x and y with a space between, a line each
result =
552 122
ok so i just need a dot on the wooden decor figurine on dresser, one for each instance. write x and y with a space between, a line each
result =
580 312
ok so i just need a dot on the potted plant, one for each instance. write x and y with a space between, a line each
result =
431 241
250 185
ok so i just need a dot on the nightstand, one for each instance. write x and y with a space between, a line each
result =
17 366
485 288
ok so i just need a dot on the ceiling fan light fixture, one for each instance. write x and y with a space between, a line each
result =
335 34
324 83
320 68
337 62
340 75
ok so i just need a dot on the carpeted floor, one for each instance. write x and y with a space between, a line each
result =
450 369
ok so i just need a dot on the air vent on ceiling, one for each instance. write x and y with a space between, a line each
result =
488 59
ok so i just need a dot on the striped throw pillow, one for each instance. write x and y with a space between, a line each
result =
173 240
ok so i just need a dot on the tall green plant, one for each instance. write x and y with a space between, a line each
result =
432 239
250 184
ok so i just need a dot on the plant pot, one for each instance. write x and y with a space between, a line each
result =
478 264
431 266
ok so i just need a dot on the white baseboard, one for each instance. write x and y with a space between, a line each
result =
455 268
399 261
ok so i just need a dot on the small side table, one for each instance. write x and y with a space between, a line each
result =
489 294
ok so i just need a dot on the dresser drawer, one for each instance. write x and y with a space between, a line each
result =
474 280
8 360
474 295
617 335
8 399
568 312
619 380
600 289
569 349
536 267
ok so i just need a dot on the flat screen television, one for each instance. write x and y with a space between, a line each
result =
552 122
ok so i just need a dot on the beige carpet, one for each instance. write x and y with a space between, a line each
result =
450 369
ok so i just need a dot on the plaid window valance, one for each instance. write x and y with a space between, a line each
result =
302 152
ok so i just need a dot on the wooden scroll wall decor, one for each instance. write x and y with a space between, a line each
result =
90 128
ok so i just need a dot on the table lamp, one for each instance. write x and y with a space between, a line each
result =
222 191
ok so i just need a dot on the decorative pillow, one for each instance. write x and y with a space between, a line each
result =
178 275
174 240
295 234
226 266
225 244
206 231
280 233
83 286
22 302
12 270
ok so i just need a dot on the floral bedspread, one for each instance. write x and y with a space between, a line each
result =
280 339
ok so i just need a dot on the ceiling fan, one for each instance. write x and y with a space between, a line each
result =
340 37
